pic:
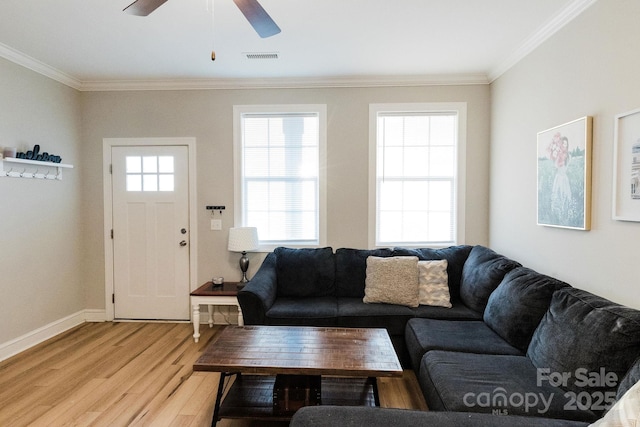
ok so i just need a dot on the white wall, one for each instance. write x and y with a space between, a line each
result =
207 115
590 67
40 220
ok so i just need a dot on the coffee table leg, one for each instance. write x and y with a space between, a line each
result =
216 408
374 385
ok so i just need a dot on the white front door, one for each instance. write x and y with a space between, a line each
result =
150 186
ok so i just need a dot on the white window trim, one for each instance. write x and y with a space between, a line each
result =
321 110
460 182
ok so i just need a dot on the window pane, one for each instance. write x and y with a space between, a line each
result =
416 196
166 182
415 228
390 226
134 182
443 130
150 182
416 131
390 195
134 164
442 161
440 227
440 196
165 164
150 164
416 161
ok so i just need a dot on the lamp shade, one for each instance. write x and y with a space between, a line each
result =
243 239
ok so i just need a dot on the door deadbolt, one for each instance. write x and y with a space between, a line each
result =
183 231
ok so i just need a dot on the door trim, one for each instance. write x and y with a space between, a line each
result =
107 144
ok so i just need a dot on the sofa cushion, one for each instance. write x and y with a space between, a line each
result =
455 256
353 313
515 308
316 311
433 283
392 280
356 416
482 273
583 334
468 382
307 272
423 335
351 269
458 311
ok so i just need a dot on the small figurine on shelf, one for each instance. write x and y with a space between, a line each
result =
36 155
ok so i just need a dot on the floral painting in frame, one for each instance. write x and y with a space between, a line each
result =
564 175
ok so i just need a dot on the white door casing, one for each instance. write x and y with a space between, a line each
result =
149 206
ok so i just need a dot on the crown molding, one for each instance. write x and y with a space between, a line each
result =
556 23
562 18
283 82
39 67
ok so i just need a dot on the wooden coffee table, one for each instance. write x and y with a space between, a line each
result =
348 361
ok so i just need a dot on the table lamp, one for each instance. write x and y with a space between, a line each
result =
243 239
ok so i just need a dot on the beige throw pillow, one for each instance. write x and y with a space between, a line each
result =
392 280
434 283
626 411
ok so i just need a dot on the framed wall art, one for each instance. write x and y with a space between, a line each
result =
626 167
564 175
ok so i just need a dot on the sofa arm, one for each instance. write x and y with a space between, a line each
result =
259 294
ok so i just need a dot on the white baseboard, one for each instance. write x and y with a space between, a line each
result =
28 340
95 315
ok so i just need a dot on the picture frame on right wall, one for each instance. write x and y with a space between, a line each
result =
626 167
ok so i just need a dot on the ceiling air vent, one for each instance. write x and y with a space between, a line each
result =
261 55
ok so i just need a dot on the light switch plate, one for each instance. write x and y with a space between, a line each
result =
216 224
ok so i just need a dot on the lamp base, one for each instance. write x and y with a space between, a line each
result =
244 266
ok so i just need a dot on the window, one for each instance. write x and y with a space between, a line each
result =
150 173
280 173
415 175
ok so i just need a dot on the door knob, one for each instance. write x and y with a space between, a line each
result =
183 243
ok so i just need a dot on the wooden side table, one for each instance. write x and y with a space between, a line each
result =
210 295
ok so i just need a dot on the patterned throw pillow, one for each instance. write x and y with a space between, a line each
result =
626 412
434 283
392 280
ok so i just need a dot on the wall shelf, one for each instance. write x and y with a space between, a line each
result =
24 168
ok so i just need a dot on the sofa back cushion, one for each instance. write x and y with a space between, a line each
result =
455 256
351 270
307 272
517 305
583 334
482 272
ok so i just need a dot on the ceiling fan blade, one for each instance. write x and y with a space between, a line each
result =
257 17
143 7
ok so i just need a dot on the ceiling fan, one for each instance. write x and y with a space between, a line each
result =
251 9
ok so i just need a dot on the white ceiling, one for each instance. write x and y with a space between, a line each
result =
90 44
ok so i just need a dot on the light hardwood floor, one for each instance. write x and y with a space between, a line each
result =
122 374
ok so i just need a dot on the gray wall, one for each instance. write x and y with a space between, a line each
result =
207 115
590 67
40 220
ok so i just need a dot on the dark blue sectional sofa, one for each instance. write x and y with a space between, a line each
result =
515 342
